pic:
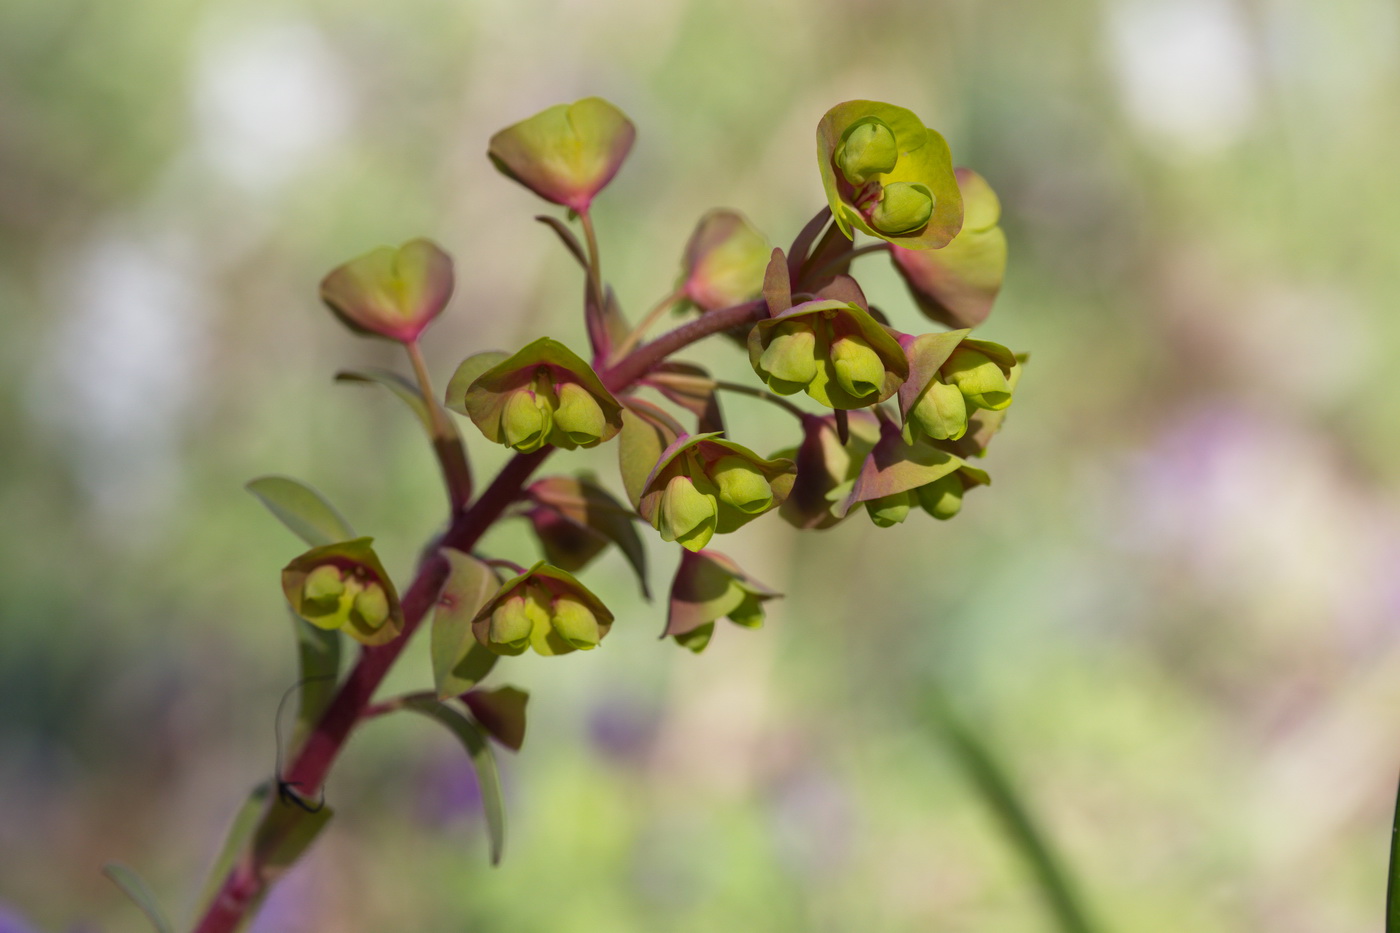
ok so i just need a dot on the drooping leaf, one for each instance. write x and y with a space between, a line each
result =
395 383
587 505
483 761
501 712
646 431
459 662
133 887
304 511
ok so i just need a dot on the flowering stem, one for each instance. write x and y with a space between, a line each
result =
447 441
632 339
244 885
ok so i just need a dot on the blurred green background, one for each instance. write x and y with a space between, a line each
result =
1173 615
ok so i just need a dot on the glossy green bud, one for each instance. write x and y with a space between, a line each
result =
890 510
903 208
324 585
696 639
868 149
741 484
943 497
688 514
372 606
791 357
859 369
526 421
748 613
515 618
979 379
576 623
579 417
941 412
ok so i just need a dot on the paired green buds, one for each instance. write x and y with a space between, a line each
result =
709 586
344 586
703 485
832 350
956 285
544 608
888 175
393 293
724 261
951 376
566 154
544 394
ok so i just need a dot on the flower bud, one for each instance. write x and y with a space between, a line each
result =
391 292
790 358
526 421
890 510
565 154
943 497
980 380
516 618
709 586
903 208
941 412
859 369
575 623
867 149
724 261
741 485
688 512
579 417
324 585
372 606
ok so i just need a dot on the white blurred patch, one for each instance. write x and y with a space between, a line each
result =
268 99
1186 70
120 369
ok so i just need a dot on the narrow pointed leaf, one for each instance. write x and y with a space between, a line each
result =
304 511
690 387
286 831
395 383
777 286
133 887
566 235
240 830
483 760
459 662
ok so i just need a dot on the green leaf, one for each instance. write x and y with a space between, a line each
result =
304 511
286 831
501 713
645 434
318 669
459 661
245 821
483 760
133 887
395 383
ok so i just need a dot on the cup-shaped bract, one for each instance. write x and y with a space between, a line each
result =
703 485
344 586
956 285
567 153
389 292
724 261
832 350
544 394
709 586
897 475
952 376
888 175
545 609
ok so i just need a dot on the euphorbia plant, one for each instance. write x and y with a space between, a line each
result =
888 420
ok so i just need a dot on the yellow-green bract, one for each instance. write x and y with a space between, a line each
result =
567 153
391 292
913 202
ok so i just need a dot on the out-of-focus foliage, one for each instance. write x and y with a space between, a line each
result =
1175 619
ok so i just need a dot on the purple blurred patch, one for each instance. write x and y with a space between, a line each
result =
623 731
448 790
813 822
12 922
